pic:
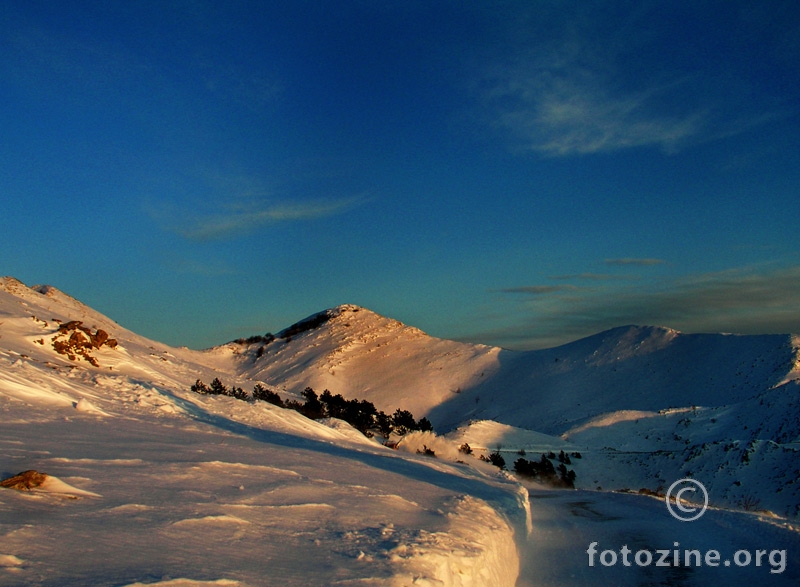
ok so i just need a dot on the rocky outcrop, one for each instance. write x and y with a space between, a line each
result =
25 481
74 340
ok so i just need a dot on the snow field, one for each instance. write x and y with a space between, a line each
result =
301 503
290 510
163 486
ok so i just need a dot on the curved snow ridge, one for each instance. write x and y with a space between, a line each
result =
478 549
85 406
220 519
249 468
487 435
10 561
225 412
101 462
55 486
609 419
188 583
19 388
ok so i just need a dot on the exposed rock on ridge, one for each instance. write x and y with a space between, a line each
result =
24 481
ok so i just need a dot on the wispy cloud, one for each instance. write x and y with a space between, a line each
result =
587 78
231 223
589 277
741 300
576 112
225 206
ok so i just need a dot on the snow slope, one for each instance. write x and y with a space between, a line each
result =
170 487
632 368
646 404
361 354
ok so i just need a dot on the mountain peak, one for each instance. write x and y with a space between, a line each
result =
344 315
343 308
623 342
14 286
46 300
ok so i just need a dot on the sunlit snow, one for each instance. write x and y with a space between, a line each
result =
152 484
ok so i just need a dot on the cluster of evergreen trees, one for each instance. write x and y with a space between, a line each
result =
361 414
544 471
494 457
219 388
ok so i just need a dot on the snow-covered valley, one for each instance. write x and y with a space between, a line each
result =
155 484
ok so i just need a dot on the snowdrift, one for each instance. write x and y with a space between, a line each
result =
183 488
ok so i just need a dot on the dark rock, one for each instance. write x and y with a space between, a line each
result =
71 325
25 481
99 338
78 340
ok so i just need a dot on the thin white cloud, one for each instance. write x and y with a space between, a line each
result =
235 222
576 112
587 78
229 205
589 277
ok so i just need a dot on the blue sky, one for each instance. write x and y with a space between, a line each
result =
512 173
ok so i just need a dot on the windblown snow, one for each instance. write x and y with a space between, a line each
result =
152 484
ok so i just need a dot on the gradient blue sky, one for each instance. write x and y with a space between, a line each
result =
513 173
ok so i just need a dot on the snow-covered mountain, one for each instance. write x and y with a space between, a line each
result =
168 483
358 353
213 490
664 404
353 351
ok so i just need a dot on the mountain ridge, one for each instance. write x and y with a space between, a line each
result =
359 353
458 381
647 404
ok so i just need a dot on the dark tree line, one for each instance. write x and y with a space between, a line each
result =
494 457
262 394
219 388
361 414
544 471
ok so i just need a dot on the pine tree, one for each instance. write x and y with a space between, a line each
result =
218 388
497 460
403 422
239 393
334 406
261 393
200 387
312 408
383 423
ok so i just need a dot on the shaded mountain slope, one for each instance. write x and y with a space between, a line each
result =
358 353
627 368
